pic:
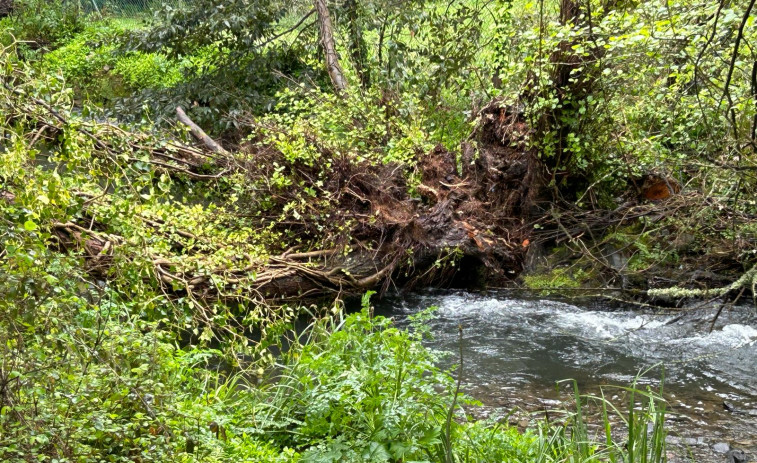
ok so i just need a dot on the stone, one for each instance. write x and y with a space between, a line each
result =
736 456
615 257
550 402
685 441
690 441
721 447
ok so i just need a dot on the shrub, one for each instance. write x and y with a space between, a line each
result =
92 64
83 65
147 70
45 22
366 391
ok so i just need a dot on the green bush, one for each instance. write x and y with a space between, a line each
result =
92 64
45 22
365 391
141 70
84 66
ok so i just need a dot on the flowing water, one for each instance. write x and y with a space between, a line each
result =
516 349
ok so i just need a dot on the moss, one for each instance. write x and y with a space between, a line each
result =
556 279
747 280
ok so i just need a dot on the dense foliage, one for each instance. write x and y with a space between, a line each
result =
44 24
145 303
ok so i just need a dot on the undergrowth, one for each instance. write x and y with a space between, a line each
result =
86 378
92 64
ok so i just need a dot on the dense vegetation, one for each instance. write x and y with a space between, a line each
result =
151 277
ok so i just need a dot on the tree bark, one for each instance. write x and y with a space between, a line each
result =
198 133
329 47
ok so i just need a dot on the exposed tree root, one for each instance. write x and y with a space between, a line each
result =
467 218
472 218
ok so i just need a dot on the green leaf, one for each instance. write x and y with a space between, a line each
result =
376 452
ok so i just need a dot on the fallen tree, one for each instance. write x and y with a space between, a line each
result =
444 218
465 220
471 219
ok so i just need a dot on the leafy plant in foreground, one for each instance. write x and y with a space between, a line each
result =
362 390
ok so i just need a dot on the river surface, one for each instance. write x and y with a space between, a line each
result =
516 349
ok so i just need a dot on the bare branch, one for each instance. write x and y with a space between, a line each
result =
198 133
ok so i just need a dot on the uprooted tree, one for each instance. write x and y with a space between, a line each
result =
465 215
475 217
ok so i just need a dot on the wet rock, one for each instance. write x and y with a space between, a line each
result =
706 276
681 419
685 441
682 241
736 456
721 447
615 257
550 402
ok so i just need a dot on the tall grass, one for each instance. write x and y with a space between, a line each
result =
639 439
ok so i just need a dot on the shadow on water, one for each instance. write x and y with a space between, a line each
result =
517 348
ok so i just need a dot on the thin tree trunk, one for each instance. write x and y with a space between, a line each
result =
329 47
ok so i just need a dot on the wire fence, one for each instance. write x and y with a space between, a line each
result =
127 8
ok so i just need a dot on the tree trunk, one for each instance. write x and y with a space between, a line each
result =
329 47
573 77
198 133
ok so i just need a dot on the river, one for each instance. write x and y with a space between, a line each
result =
515 349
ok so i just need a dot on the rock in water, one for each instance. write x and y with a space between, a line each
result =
736 456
